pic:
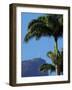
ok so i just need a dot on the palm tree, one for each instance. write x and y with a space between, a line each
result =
58 62
47 25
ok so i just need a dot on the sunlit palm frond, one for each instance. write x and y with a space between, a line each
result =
53 57
57 59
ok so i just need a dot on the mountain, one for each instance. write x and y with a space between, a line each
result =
32 68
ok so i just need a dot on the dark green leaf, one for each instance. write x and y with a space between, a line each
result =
46 67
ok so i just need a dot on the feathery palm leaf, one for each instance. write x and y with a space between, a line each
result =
37 29
49 25
46 67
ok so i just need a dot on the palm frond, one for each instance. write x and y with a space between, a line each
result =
53 57
48 25
57 59
46 67
34 21
44 19
37 29
55 22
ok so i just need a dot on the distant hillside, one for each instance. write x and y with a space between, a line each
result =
32 68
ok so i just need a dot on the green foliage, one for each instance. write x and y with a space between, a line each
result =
48 25
56 58
53 56
46 67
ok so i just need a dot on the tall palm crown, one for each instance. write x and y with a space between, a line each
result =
48 25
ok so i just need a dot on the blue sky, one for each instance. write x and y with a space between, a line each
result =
35 48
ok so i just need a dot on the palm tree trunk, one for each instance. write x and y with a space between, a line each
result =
56 51
57 70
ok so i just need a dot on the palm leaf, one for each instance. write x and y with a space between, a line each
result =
55 22
37 29
46 67
57 59
53 57
48 25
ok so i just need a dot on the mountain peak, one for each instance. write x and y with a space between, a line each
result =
32 67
